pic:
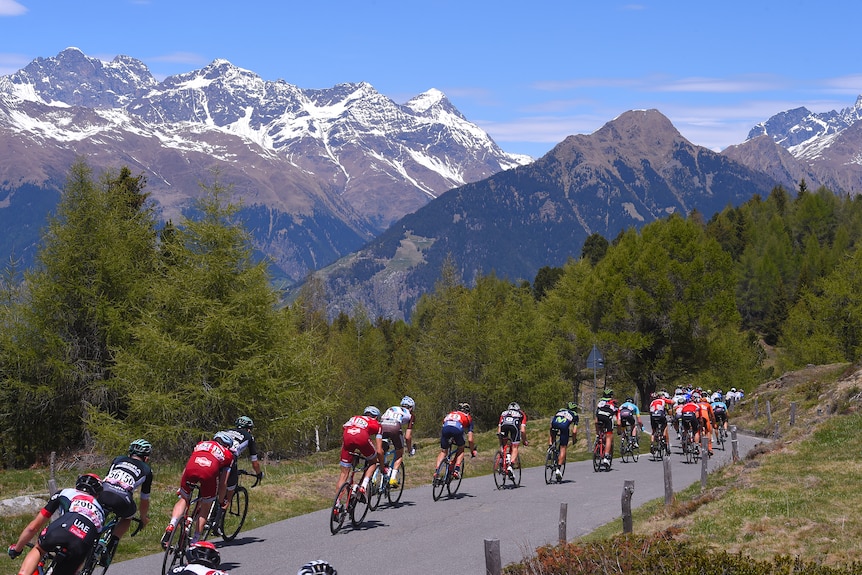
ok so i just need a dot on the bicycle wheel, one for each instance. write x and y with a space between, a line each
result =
440 479
516 472
721 439
233 517
175 554
92 560
635 451
454 483
597 455
339 508
376 489
499 470
550 465
358 508
394 493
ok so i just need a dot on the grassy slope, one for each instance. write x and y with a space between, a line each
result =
796 498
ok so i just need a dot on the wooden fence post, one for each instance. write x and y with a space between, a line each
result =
563 512
756 408
493 563
768 412
668 482
734 443
628 490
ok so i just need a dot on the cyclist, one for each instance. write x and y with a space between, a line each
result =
707 419
318 567
397 425
127 473
76 530
659 406
689 418
719 409
606 414
455 424
357 434
564 422
208 466
513 424
242 440
204 559
629 414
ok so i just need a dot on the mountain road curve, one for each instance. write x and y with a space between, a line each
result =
422 536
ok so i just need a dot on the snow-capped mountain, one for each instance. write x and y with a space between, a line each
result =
826 147
330 167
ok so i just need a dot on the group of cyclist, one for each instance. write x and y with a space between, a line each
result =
702 412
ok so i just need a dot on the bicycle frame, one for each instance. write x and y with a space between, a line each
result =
447 480
502 460
347 500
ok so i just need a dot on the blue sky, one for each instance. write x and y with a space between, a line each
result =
529 73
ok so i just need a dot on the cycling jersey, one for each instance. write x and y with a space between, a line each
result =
511 421
562 423
242 440
719 408
689 416
606 411
393 421
124 476
75 530
356 436
195 569
629 412
455 424
207 461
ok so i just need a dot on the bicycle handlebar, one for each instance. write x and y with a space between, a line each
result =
256 477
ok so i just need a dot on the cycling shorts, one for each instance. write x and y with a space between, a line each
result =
117 500
561 427
394 435
452 434
513 432
605 422
627 419
658 422
356 439
720 415
690 421
76 534
203 471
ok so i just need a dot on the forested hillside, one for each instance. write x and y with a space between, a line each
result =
128 330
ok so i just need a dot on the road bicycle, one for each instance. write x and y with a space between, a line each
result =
227 522
599 452
380 481
502 462
180 538
690 449
552 463
629 449
102 554
350 502
721 437
444 476
49 560
658 449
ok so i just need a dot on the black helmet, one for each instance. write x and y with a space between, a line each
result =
318 567
204 553
464 407
141 448
630 400
89 483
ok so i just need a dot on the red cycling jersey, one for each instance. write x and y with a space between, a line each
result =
208 459
358 431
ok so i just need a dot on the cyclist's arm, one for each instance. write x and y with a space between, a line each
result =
35 526
470 441
144 508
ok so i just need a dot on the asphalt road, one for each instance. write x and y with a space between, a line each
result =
425 537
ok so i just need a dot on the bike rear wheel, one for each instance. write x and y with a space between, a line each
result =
394 493
233 518
376 489
339 508
175 554
597 456
439 483
358 508
499 470
454 483
516 472
550 465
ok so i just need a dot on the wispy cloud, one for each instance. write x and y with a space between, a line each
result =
11 8
11 63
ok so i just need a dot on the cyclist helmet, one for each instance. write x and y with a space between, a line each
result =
244 422
318 567
408 402
204 553
223 438
608 392
89 483
141 448
572 406
464 407
630 400
514 405
372 411
680 400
